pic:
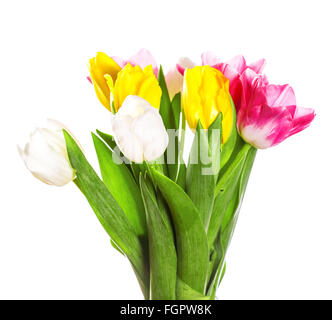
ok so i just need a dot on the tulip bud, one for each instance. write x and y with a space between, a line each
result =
139 131
45 155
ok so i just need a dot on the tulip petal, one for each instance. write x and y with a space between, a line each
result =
126 140
258 66
302 119
174 81
183 64
264 127
280 95
149 129
238 63
144 58
210 59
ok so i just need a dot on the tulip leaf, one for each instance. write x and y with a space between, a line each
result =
173 156
247 170
217 265
121 184
181 178
162 253
170 112
165 109
191 241
234 164
203 168
226 220
176 108
108 212
221 202
231 216
185 292
107 138
228 147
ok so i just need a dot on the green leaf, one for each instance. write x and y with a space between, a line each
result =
182 176
228 147
174 161
165 109
107 138
247 170
176 108
163 260
121 184
231 216
233 165
222 201
185 292
170 113
108 211
191 239
219 275
203 168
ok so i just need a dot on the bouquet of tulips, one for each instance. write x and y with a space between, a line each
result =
171 217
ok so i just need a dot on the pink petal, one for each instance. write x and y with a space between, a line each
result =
209 58
89 79
258 66
264 127
180 69
235 82
280 95
144 58
302 119
121 62
238 63
253 85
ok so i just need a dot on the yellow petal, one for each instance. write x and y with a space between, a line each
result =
100 66
205 94
135 81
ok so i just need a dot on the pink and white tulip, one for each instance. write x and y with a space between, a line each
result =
271 116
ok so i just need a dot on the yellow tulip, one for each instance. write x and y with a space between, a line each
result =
205 95
135 81
101 67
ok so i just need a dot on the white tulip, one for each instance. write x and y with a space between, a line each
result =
139 131
174 79
45 155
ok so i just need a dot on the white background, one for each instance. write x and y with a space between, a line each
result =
51 244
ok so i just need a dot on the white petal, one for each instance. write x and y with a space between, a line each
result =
185 62
126 140
150 130
132 106
139 131
256 136
174 81
174 78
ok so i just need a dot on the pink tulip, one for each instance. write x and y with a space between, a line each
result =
266 114
271 116
142 58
